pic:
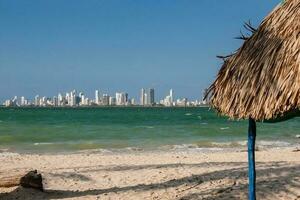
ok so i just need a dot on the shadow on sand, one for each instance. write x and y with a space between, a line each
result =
273 179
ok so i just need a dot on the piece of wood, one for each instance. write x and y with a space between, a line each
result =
30 179
251 159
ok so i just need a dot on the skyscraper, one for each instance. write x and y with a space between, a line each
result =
37 100
168 101
23 101
68 99
125 98
150 97
55 101
73 99
145 99
142 97
60 100
82 100
120 98
105 100
171 96
112 101
97 97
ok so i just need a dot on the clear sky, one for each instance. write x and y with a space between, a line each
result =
54 46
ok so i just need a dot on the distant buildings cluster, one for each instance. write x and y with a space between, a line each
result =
74 99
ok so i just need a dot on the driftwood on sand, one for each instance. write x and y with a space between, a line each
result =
30 179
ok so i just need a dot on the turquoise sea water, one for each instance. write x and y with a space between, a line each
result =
69 129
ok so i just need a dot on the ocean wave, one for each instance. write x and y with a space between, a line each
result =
262 143
134 149
183 147
200 145
273 143
42 143
224 128
149 127
188 114
99 150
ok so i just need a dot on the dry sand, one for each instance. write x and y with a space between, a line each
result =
156 175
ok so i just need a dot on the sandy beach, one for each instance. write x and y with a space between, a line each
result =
156 175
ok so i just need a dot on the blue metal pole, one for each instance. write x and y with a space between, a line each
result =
251 158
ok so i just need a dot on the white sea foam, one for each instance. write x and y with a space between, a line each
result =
188 114
43 143
224 128
263 143
190 147
8 154
150 127
134 149
184 146
228 144
100 150
273 143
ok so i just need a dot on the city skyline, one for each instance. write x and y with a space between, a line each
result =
119 45
76 98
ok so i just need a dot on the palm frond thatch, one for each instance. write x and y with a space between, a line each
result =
261 79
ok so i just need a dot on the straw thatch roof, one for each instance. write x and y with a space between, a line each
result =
261 79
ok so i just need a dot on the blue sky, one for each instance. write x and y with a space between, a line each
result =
118 45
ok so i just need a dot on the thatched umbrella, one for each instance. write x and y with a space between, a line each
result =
261 80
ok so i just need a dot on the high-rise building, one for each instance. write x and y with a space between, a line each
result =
77 100
120 98
37 100
105 99
142 97
182 102
55 101
43 101
112 101
150 97
68 99
132 102
97 97
126 98
72 98
60 100
168 101
171 96
82 100
23 103
145 99
8 103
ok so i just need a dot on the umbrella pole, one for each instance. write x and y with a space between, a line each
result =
251 158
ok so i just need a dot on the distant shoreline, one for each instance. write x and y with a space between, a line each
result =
100 106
